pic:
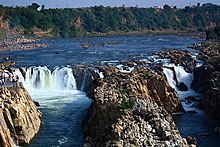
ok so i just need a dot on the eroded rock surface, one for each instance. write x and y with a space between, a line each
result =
19 117
133 110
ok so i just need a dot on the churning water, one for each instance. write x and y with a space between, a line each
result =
63 106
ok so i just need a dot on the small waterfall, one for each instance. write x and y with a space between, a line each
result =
175 75
170 77
44 78
180 74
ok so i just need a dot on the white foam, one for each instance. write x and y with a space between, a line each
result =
124 69
170 77
101 75
181 75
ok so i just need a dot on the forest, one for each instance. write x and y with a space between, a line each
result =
75 22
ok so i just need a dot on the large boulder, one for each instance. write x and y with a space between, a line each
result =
182 86
84 77
211 102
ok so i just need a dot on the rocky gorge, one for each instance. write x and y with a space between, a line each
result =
133 109
133 103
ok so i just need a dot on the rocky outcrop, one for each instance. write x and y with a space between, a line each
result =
133 109
181 57
182 87
19 117
207 77
84 77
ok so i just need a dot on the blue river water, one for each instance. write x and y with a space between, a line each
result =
68 51
64 110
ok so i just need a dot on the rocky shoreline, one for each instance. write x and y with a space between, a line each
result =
20 42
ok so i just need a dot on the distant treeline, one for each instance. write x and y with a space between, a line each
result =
73 22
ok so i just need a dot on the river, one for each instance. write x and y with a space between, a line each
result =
51 83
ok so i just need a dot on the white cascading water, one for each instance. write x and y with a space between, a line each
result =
181 75
186 78
43 79
61 104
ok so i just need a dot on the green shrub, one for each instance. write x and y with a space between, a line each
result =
127 104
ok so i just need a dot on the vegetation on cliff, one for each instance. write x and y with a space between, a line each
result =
213 33
73 22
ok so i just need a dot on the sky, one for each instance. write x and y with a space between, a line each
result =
88 3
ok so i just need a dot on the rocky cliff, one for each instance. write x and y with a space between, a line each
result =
133 109
19 117
207 77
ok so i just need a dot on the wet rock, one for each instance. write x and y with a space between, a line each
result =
182 87
23 71
84 77
183 58
37 103
191 140
217 130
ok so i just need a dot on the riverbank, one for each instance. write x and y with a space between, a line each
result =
190 32
13 42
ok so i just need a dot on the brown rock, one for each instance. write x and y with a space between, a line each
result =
17 123
133 110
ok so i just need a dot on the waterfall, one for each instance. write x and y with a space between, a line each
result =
176 74
180 73
43 78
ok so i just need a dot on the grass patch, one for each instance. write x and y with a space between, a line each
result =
127 104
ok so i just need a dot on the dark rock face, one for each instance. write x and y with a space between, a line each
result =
211 103
84 77
182 87
133 110
199 83
207 79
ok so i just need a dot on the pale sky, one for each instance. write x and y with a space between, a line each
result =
88 3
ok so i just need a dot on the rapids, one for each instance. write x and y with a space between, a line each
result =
50 81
